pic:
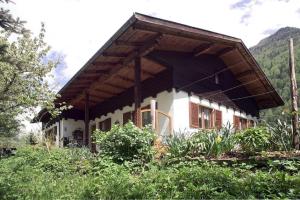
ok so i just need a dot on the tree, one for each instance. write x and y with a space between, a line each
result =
8 22
24 70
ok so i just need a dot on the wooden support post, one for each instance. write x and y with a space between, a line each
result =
294 96
153 114
137 92
86 135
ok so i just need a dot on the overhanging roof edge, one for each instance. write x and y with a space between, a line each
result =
143 17
119 32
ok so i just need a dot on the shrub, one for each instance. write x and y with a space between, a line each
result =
254 139
210 143
180 145
281 135
126 143
32 139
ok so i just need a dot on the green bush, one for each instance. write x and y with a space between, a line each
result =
126 143
32 139
211 143
254 139
281 135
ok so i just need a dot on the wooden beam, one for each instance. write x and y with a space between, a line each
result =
146 73
105 64
225 51
116 86
95 101
186 33
99 97
125 78
86 135
97 71
113 54
84 81
105 91
144 50
148 46
137 92
244 73
202 48
128 43
90 75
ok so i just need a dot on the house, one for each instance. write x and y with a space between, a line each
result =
173 76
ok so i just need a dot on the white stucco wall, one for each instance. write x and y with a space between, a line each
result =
173 103
181 111
164 102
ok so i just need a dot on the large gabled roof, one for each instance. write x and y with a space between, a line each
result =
110 71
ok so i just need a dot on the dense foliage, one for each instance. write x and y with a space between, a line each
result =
77 174
208 143
272 55
254 139
125 168
126 143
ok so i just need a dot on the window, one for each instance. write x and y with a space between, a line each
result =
105 125
243 123
128 116
146 118
203 117
240 123
250 123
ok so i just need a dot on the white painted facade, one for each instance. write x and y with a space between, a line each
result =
173 103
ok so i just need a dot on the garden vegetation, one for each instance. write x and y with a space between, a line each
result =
126 168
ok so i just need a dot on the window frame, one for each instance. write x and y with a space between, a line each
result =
106 122
211 117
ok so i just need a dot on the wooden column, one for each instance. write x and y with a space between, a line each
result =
153 113
294 96
137 92
86 135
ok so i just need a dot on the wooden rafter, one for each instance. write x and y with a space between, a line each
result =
128 43
97 96
127 79
146 73
116 86
202 48
148 46
113 54
94 100
143 50
225 51
105 91
184 33
105 64
244 73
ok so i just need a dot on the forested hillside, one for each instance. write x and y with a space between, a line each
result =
272 55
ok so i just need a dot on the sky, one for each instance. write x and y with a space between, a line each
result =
76 29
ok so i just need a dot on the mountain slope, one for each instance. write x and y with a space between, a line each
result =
272 55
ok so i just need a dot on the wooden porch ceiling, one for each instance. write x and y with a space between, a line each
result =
111 70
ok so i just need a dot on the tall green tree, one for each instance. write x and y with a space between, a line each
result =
24 71
8 22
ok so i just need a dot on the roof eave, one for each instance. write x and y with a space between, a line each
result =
119 32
